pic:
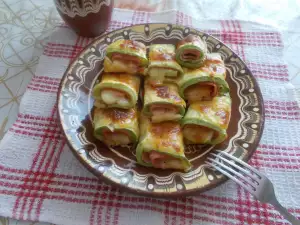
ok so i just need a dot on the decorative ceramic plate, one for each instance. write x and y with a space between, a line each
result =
118 165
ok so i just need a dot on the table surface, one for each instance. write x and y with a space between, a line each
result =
25 26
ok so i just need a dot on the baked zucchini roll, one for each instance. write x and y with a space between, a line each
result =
163 102
117 90
161 146
116 126
191 51
162 64
206 82
206 122
126 56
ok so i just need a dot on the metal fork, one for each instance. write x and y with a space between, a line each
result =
250 179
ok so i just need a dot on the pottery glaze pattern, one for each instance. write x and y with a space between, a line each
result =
80 8
88 18
118 165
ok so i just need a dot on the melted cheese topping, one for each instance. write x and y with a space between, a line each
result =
119 66
200 92
112 96
164 112
161 73
116 138
157 109
198 134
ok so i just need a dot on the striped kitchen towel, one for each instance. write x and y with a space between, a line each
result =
40 179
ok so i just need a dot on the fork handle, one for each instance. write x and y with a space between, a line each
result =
288 216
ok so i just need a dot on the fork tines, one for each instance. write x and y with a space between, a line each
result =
235 169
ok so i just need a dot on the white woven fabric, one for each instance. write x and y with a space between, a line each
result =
41 180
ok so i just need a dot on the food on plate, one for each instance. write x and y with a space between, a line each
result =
162 64
161 145
126 56
206 122
205 82
163 126
163 102
117 90
191 51
116 126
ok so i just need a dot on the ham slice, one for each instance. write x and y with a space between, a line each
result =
157 109
201 91
125 58
190 54
161 160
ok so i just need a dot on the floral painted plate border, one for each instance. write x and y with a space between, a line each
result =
118 165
